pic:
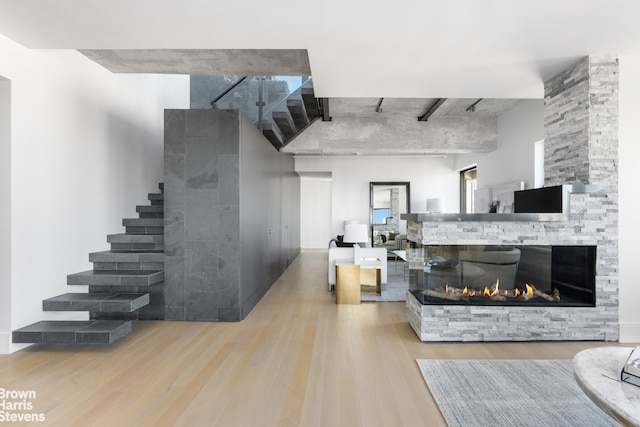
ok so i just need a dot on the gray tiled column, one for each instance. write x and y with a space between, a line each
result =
201 192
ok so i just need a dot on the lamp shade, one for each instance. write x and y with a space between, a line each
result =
435 205
355 233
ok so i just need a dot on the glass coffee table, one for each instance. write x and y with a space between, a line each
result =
402 254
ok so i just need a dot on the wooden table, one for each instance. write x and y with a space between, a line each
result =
597 371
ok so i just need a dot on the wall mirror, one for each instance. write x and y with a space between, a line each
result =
387 201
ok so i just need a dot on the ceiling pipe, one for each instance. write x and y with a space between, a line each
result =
472 107
432 109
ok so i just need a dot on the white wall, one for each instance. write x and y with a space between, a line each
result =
315 212
429 177
629 202
5 213
86 148
518 130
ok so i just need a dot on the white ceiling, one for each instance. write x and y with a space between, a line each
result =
392 49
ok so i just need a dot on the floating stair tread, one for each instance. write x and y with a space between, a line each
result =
143 222
284 121
116 277
101 302
73 332
135 238
298 112
150 209
127 256
310 101
273 134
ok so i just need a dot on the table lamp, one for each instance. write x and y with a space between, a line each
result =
435 205
356 233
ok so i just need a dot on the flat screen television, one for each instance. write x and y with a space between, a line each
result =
538 200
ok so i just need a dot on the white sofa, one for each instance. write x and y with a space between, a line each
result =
347 253
493 265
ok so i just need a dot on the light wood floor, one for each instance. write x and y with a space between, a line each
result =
298 359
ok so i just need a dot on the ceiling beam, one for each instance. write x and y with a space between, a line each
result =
432 109
324 106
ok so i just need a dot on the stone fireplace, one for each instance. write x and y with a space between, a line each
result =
581 109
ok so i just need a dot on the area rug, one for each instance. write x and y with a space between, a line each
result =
396 287
510 393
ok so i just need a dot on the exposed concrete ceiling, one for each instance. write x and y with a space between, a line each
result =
363 126
413 108
244 62
408 52
401 49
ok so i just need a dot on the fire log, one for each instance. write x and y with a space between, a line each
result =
525 296
555 297
445 295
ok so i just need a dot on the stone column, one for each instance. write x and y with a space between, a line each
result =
581 124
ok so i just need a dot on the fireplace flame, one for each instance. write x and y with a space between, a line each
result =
494 292
468 292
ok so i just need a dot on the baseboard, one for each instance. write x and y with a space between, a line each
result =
630 332
7 347
5 342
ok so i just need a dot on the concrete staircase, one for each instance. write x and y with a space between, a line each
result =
125 284
288 123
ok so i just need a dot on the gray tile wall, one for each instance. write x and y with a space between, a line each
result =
201 188
231 202
581 115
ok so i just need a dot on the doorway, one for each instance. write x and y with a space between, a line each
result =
468 186
316 208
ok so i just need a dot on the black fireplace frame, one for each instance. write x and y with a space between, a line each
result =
571 270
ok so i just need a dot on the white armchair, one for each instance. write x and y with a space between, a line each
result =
347 253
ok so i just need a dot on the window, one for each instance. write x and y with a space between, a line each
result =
380 215
538 173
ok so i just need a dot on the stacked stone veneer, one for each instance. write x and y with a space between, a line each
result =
581 110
